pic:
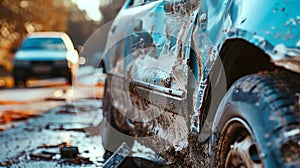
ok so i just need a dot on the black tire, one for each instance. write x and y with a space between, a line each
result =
256 113
112 135
70 76
24 82
18 82
70 80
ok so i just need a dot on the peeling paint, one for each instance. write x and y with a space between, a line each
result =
287 57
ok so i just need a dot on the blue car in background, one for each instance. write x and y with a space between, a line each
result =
44 55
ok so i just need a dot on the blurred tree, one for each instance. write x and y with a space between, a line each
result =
20 17
94 46
109 9
79 27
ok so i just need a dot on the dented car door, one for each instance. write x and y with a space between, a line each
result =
149 66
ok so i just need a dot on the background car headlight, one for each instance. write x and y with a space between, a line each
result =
72 56
21 63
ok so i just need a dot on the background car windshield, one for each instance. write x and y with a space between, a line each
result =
43 44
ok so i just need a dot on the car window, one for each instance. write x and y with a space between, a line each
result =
43 44
138 2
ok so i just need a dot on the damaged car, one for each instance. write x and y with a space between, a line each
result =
214 82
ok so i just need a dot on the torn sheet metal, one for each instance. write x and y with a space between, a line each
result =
150 75
279 37
288 58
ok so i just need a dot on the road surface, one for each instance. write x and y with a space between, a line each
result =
38 122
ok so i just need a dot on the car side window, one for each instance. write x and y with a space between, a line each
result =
133 3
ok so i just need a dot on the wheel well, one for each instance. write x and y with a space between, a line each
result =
241 58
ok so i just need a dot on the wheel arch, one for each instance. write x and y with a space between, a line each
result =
240 57
237 58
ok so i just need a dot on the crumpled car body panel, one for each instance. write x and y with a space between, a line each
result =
148 58
272 26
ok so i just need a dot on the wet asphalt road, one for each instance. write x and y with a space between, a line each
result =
75 124
39 121
36 122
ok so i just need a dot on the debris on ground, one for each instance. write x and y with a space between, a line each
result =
56 138
66 136
118 157
61 154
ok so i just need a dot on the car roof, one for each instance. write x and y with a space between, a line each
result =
47 34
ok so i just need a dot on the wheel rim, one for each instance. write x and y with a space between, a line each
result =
238 147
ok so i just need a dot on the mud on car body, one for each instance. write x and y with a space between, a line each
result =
216 81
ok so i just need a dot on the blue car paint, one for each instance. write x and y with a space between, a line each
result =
265 24
269 25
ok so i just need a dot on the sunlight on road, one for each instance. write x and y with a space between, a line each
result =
47 82
43 95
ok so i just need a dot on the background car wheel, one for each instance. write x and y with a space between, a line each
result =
70 80
252 119
70 77
16 82
19 82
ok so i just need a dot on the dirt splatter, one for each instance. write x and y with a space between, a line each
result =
195 155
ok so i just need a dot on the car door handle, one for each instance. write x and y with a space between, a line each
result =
138 25
203 20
